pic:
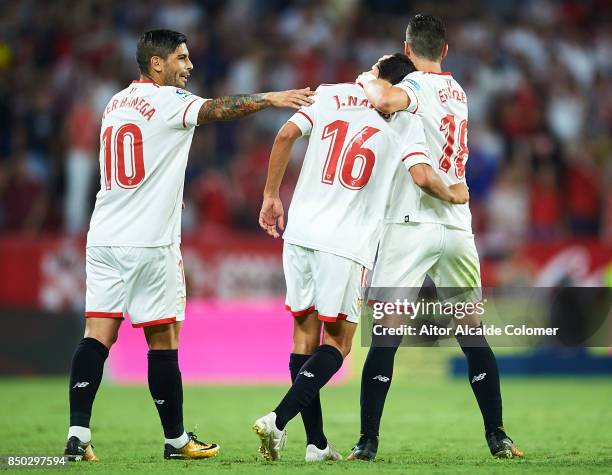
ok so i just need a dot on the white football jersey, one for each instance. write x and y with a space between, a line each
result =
340 199
441 103
144 144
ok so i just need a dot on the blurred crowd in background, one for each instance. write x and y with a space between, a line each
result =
538 75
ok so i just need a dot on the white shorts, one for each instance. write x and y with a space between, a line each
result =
147 283
323 282
410 251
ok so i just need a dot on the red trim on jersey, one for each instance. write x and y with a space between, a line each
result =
300 313
443 73
417 107
185 113
306 115
104 314
414 153
325 318
415 95
154 322
146 81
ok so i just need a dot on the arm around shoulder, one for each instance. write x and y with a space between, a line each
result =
385 97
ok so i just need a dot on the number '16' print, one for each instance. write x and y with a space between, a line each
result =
131 134
354 151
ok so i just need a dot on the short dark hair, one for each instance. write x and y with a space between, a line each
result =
157 43
426 36
395 68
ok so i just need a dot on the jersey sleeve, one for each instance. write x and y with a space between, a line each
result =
306 117
180 108
410 85
414 146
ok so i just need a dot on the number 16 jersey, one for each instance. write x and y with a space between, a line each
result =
344 185
144 144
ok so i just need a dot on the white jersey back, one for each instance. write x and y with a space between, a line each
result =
441 103
144 144
339 202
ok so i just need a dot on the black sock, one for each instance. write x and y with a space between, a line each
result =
166 387
85 378
375 383
315 373
312 416
484 378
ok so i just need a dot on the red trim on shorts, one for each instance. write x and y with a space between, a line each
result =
306 115
161 321
104 314
185 113
300 313
325 318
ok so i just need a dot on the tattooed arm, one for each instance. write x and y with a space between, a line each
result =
236 107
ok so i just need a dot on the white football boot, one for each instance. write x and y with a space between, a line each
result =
272 439
314 454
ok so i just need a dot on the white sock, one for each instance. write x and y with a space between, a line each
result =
179 441
83 433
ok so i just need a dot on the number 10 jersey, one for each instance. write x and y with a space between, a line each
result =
144 144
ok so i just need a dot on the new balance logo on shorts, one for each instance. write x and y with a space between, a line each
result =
81 385
307 374
159 402
381 378
479 377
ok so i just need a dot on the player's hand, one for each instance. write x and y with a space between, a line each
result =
461 193
366 77
294 98
272 215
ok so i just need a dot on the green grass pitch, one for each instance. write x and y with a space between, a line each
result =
430 426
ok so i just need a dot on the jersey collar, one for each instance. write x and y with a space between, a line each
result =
145 81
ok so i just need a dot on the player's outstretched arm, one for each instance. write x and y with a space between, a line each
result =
272 213
382 95
241 105
428 180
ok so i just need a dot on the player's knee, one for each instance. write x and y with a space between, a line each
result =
305 347
342 345
162 337
106 339
106 332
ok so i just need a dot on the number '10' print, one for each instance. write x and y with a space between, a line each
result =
134 136
337 131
